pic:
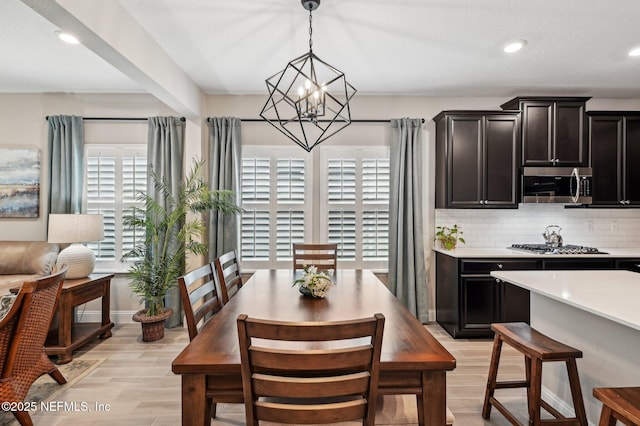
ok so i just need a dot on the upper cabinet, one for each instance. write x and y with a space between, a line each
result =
614 137
477 159
553 130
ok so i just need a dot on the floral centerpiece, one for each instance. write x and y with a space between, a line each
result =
313 283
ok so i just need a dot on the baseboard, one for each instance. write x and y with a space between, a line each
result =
559 404
117 317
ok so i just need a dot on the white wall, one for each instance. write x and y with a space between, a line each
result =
22 123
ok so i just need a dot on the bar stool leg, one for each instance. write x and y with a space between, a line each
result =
527 370
576 392
535 392
491 379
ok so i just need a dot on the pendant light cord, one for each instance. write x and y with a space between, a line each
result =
310 30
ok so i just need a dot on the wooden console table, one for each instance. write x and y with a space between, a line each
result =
66 335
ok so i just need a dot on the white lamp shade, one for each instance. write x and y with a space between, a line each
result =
75 229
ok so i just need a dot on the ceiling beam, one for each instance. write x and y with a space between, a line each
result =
107 29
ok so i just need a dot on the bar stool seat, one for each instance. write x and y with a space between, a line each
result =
619 404
536 348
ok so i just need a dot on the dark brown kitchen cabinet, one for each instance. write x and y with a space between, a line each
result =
469 299
477 159
553 130
578 264
614 137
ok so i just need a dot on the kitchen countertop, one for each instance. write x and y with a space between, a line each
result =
491 252
609 294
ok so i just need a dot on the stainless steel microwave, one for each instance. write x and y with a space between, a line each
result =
563 185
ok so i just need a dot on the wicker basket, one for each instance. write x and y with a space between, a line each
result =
152 327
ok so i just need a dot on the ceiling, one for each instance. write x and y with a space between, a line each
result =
399 47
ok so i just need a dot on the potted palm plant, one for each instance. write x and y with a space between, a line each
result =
171 233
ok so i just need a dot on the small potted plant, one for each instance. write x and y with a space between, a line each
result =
448 237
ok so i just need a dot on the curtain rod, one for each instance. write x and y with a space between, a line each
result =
117 118
257 120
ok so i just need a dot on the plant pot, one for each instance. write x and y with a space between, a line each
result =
152 327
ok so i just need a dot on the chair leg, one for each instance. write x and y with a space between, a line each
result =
535 392
576 392
57 376
491 379
527 375
23 418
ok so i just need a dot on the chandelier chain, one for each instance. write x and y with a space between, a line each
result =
310 30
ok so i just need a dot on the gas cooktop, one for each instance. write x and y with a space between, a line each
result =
564 249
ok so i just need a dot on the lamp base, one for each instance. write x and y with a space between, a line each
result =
79 258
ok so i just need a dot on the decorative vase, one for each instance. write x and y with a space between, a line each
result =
152 327
307 293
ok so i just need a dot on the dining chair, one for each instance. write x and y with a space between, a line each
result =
322 256
326 383
201 300
23 331
200 297
229 277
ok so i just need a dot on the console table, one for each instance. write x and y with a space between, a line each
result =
66 335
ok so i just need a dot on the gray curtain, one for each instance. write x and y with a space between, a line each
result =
224 174
407 270
66 164
165 152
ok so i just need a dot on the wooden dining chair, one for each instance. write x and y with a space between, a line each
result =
322 256
284 383
201 300
200 297
23 331
229 277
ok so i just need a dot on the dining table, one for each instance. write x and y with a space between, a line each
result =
412 360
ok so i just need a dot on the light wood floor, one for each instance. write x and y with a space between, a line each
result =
136 382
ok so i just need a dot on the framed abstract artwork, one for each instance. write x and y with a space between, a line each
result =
19 182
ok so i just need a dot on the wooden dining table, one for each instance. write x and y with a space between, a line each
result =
412 360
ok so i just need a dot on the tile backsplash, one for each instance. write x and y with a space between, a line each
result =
619 228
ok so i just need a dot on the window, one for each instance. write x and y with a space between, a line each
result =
345 200
355 197
275 188
114 175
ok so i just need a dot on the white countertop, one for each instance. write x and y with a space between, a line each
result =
479 252
610 294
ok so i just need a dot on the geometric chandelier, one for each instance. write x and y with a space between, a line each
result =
309 99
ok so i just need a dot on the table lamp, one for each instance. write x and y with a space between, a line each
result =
76 229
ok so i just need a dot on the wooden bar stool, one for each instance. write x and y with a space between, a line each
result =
619 404
536 348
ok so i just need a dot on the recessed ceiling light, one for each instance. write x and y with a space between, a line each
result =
514 46
69 38
635 51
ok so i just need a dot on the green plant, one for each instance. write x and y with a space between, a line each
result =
449 237
170 234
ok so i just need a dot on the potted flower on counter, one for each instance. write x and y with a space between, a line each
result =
313 283
449 237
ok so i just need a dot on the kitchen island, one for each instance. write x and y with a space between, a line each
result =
594 311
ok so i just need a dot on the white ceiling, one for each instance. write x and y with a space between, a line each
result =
399 47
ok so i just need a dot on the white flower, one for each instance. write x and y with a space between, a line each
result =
318 283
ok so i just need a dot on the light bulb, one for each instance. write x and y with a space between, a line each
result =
300 91
307 84
514 46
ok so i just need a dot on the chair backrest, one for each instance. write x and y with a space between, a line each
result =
24 329
229 277
291 382
323 256
200 297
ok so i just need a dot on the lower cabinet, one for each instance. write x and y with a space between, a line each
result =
469 299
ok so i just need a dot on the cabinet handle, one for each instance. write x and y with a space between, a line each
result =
498 280
621 201
500 265
637 265
626 202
